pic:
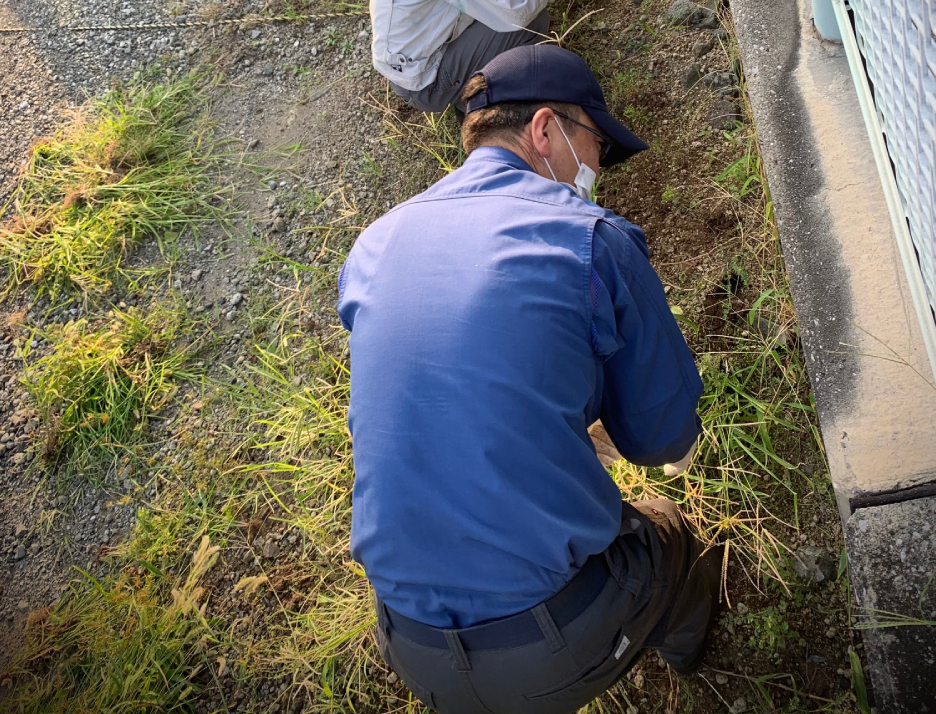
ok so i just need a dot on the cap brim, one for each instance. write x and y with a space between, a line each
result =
626 143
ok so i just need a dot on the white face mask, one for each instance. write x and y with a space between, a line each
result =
584 179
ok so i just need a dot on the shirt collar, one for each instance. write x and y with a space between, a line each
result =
498 155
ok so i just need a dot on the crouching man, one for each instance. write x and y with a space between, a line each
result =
493 319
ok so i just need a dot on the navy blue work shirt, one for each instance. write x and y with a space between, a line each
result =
494 318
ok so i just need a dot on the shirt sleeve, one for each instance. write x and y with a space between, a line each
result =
501 15
651 384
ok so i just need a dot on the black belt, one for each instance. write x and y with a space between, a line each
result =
514 630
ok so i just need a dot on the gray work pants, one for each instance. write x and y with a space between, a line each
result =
468 53
659 593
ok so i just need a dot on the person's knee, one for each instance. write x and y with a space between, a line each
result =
427 100
540 25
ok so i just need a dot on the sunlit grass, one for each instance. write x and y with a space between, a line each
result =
139 164
139 642
102 381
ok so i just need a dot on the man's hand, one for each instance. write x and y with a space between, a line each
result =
680 466
604 447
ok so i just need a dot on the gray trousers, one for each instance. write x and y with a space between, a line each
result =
661 592
470 51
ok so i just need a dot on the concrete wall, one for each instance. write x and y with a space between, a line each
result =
868 365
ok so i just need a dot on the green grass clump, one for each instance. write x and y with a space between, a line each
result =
138 643
101 383
139 163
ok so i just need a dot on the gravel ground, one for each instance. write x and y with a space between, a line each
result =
269 103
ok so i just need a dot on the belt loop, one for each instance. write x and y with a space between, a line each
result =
383 617
458 651
548 626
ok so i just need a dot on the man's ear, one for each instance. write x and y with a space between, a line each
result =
539 127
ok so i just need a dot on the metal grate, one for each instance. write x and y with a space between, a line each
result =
897 40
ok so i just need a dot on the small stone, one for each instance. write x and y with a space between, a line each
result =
22 605
20 552
687 14
197 274
723 115
632 710
690 76
255 34
814 564
639 680
740 705
703 47
392 678
719 80
272 185
830 633
363 35
266 70
236 299
279 224
230 315
126 473
772 332
808 469
20 531
721 678
270 549
681 11
742 609
253 144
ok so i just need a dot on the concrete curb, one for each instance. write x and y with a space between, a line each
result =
864 351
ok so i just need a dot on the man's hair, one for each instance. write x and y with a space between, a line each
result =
504 120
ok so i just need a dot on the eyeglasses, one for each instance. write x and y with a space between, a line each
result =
604 148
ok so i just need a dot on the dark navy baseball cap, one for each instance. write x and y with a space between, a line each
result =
548 73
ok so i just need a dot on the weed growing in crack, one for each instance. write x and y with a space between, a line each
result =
138 164
102 382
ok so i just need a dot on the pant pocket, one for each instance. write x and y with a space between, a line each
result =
591 680
420 692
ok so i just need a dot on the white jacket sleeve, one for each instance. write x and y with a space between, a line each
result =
501 15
